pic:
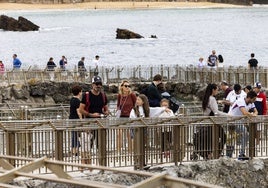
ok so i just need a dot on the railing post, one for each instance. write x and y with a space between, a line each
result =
176 141
102 146
215 140
139 147
252 133
10 150
59 145
162 71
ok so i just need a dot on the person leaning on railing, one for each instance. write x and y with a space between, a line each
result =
244 106
210 108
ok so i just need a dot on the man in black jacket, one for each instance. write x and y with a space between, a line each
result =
153 93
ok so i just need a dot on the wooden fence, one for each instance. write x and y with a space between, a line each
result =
144 73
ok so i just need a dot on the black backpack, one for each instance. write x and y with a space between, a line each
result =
145 91
174 104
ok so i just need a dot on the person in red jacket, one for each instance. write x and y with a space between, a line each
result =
261 106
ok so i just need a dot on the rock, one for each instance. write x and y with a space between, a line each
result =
22 24
126 34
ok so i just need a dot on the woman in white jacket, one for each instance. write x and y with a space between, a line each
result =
142 108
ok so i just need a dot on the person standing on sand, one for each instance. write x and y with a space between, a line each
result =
252 63
2 70
212 60
63 63
201 63
51 68
16 62
96 63
82 69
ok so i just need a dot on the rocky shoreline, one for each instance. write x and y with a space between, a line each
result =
60 92
223 172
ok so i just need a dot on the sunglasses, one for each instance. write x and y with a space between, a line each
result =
127 86
98 84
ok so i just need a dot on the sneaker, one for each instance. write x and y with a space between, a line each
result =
242 157
146 167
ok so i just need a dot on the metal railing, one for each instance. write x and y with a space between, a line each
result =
145 73
133 142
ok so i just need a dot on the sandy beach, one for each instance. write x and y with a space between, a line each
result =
114 5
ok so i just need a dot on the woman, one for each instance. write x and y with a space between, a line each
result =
142 108
203 138
126 100
209 104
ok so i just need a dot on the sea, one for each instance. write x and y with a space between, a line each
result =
183 36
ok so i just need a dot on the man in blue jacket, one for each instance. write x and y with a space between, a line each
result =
16 62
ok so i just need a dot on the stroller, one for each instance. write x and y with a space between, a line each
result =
202 141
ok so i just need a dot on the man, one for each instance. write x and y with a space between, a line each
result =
252 63
63 63
261 106
96 62
153 94
82 69
225 87
244 106
94 104
97 100
235 94
213 59
16 62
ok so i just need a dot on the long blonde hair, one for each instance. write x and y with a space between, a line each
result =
122 85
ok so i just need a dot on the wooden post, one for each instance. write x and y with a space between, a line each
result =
176 143
139 148
102 146
215 140
59 145
10 150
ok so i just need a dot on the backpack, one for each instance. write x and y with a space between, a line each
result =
88 101
145 91
174 104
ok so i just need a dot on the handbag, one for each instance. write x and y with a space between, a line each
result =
118 113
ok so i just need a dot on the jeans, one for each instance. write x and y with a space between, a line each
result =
243 138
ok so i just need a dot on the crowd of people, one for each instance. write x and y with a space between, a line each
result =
51 66
213 61
216 61
249 101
